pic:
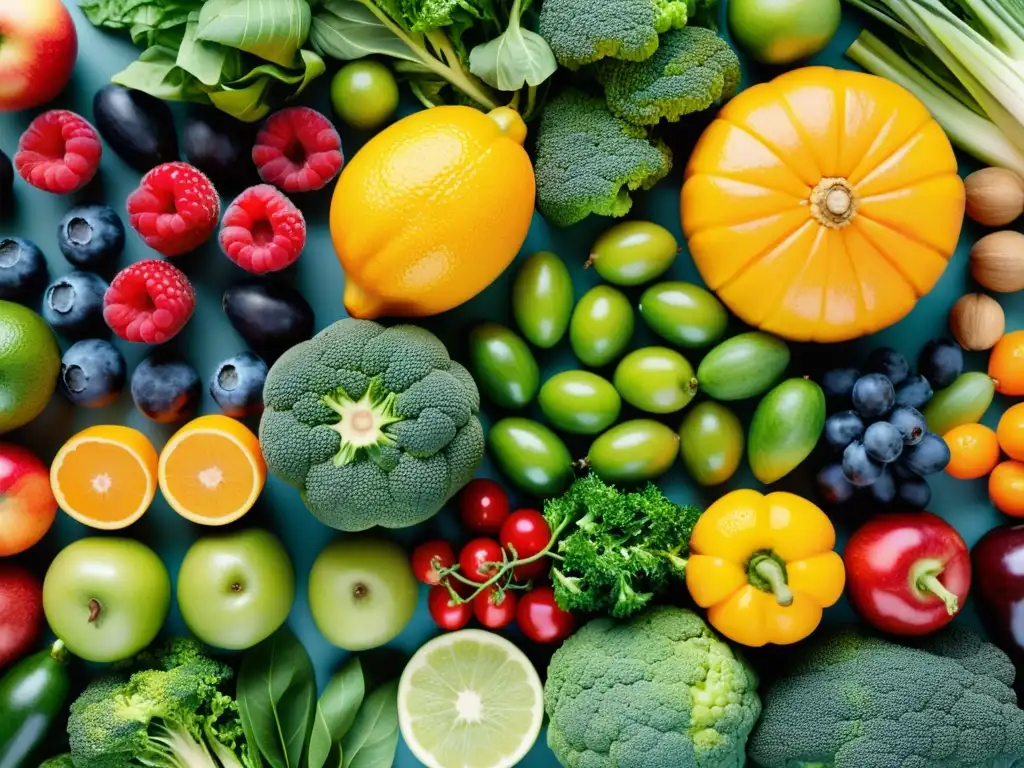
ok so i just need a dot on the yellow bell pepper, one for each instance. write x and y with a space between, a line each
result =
764 567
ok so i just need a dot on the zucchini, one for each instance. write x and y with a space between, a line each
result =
32 695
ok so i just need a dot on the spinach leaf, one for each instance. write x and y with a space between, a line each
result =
335 714
276 680
204 61
156 72
373 738
515 58
347 29
274 30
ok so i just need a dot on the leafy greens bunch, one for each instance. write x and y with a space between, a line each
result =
242 56
479 52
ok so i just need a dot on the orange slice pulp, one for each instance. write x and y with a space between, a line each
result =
105 476
211 471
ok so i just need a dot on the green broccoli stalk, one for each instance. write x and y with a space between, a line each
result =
692 69
587 160
613 551
362 423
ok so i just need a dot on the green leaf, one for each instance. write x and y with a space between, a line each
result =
335 714
314 68
156 72
276 680
373 738
347 29
515 58
274 30
204 61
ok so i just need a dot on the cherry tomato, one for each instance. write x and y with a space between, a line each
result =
424 556
474 555
495 615
483 506
445 613
540 618
526 532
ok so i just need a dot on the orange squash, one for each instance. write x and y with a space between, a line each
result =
822 205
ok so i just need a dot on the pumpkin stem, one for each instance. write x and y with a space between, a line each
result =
833 203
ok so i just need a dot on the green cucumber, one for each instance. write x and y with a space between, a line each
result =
743 366
785 428
32 695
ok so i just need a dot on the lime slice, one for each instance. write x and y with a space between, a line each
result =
470 699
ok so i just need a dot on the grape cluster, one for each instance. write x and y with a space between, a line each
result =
877 431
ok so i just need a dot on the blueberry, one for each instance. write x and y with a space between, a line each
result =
92 373
910 422
890 363
929 456
873 395
73 305
915 392
883 490
916 493
237 385
166 389
91 235
6 184
883 442
843 428
900 472
941 361
22 268
837 384
833 485
858 467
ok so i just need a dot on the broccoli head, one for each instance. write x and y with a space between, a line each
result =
587 160
375 426
692 69
581 32
659 690
858 701
61 761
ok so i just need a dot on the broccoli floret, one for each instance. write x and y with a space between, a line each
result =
659 690
692 69
61 761
703 13
374 426
587 160
857 701
170 712
581 32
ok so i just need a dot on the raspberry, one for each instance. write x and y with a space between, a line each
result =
263 231
298 150
175 209
59 152
150 301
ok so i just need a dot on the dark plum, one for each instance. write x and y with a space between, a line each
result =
833 485
23 270
883 442
890 363
6 184
137 126
73 305
915 493
941 361
910 422
92 373
837 384
237 385
859 468
165 388
91 236
873 395
915 392
219 146
270 316
883 490
929 456
843 428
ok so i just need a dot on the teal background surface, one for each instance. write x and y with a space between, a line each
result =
209 338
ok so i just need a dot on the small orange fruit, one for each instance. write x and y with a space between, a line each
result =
1011 431
973 451
1006 364
1006 488
211 471
105 476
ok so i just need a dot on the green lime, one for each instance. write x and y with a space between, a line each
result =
29 364
470 698
364 94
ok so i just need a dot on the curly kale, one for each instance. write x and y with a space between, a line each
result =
619 549
692 69
588 160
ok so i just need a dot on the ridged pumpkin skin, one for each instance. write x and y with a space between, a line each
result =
822 205
431 210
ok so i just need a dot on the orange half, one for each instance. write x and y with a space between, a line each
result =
211 471
105 476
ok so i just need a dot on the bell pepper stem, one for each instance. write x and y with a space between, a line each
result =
769 570
930 583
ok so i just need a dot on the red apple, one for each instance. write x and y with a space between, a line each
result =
38 47
21 612
27 506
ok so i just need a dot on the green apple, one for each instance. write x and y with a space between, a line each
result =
236 589
106 598
362 592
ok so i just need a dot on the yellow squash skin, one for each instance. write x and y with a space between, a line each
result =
744 528
822 205
431 210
